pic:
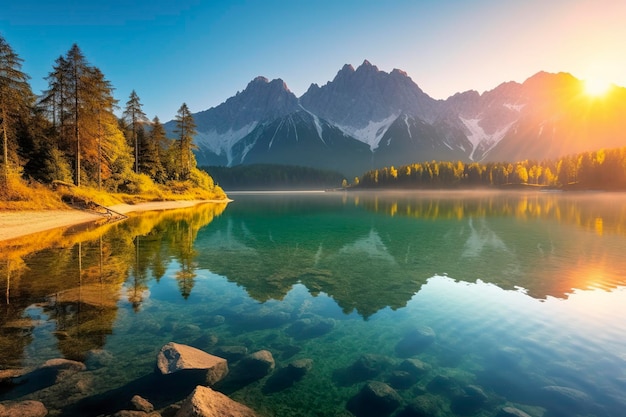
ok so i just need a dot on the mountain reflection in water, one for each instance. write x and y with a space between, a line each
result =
370 251
67 293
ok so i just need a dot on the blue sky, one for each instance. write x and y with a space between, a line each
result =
202 52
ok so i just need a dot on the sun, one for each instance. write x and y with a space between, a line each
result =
596 87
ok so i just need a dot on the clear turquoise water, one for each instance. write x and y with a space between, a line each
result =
521 291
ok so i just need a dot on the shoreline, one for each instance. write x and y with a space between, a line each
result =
16 224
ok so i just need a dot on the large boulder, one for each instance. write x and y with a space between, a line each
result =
174 357
22 409
204 402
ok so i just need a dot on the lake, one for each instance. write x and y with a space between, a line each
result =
400 304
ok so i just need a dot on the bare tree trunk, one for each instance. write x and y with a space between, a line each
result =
99 151
5 141
8 281
76 127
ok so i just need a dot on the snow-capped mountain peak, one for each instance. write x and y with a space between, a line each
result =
366 118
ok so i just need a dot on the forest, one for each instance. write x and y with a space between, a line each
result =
273 177
70 135
598 170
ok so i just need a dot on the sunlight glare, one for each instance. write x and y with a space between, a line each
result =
596 87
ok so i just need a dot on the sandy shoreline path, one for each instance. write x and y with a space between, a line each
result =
14 224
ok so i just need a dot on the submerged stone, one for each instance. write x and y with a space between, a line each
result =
512 412
186 331
368 366
309 328
231 353
442 384
375 399
470 401
98 358
207 340
135 413
23 409
204 402
141 404
60 364
414 367
565 400
288 376
254 366
415 342
421 406
401 380
213 321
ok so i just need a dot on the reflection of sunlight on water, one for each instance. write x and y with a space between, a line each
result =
599 226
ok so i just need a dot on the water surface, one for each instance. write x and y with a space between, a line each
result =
523 294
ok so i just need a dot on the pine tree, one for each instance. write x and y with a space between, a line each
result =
16 99
134 116
160 142
80 104
185 130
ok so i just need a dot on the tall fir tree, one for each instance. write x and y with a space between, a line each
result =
16 99
80 104
135 117
185 131
160 143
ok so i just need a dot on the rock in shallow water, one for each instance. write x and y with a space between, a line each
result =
401 380
23 409
368 365
414 367
470 401
204 402
309 328
375 399
288 376
174 357
421 406
141 404
231 353
253 367
565 400
415 342
512 412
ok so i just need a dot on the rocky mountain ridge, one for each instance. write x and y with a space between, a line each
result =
367 118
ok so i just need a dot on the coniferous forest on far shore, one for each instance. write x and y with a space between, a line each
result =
70 135
598 170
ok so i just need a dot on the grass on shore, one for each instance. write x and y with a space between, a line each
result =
17 194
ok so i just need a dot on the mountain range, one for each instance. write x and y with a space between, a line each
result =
366 118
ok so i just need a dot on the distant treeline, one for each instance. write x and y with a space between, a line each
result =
271 176
602 170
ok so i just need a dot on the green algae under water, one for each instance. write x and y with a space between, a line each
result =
521 297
